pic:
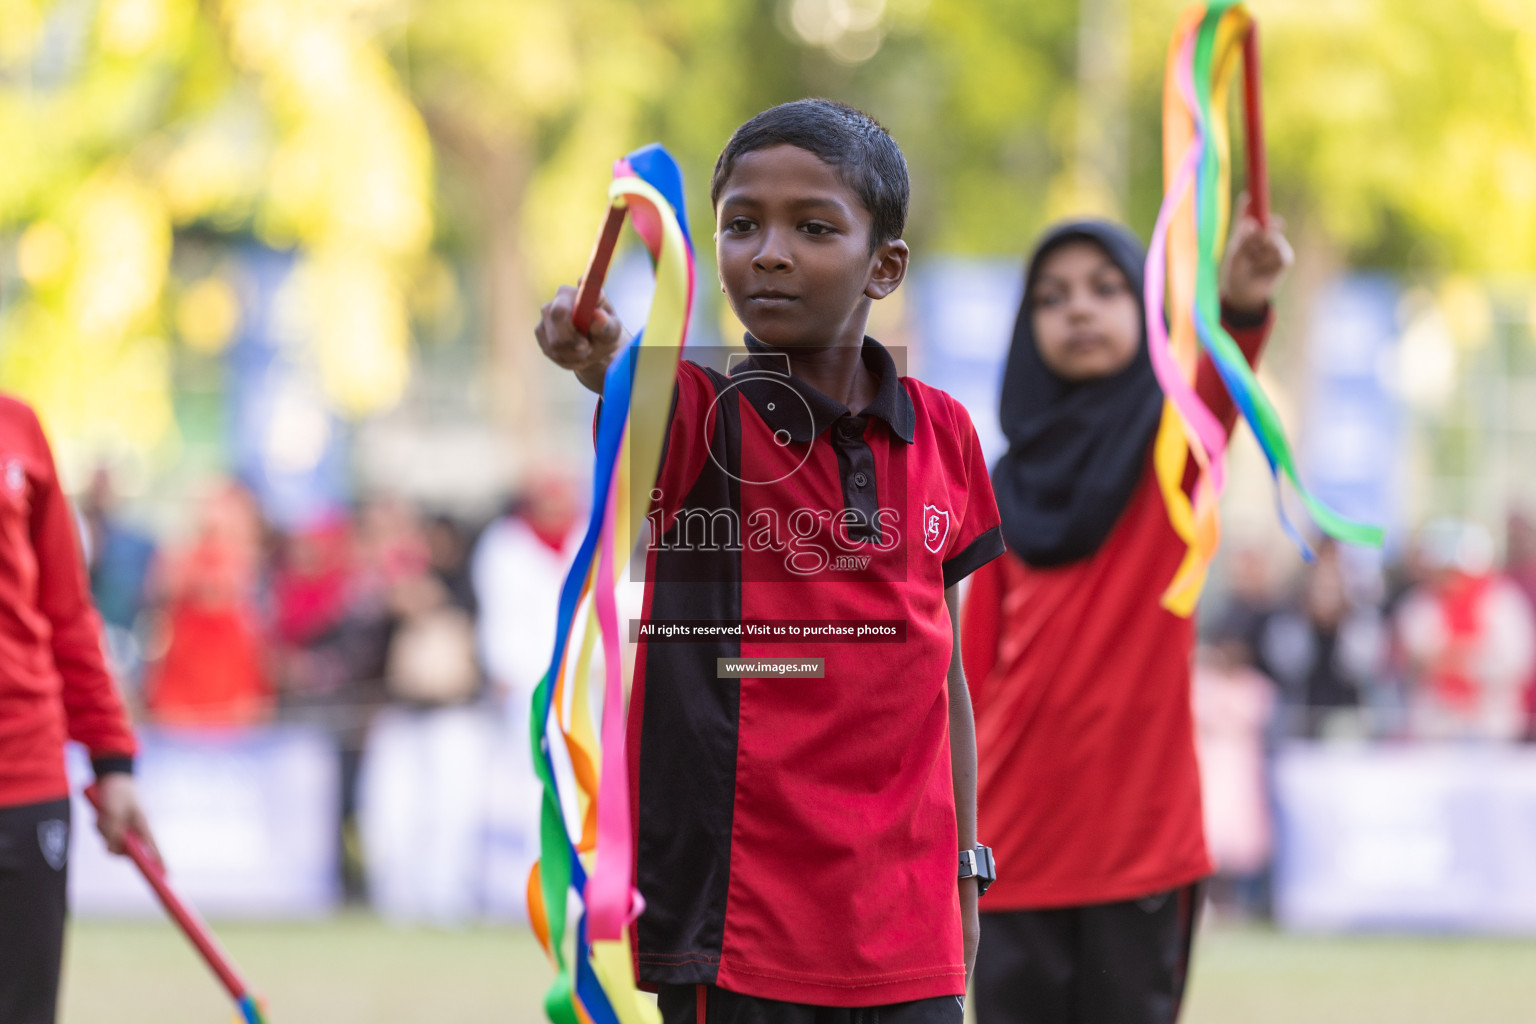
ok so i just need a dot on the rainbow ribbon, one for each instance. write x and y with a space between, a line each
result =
1182 265
594 981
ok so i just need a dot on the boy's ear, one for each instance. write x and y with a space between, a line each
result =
888 267
716 239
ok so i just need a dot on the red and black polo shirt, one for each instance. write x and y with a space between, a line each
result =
796 837
1087 783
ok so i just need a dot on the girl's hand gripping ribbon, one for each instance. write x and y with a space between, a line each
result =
1183 293
594 981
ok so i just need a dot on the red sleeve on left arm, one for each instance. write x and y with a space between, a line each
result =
94 711
1250 333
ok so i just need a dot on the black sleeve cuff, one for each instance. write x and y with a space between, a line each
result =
1244 321
122 764
976 554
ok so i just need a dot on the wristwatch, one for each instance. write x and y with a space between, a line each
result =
978 864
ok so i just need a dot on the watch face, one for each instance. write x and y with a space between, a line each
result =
986 870
978 864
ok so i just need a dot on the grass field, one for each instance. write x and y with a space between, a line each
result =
356 970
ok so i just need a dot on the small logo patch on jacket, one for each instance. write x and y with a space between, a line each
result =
16 477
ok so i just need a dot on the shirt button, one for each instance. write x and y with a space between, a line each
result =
851 431
859 479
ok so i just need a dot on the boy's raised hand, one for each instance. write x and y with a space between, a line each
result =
1257 258
587 355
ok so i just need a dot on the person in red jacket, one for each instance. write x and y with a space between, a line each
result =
54 686
1088 786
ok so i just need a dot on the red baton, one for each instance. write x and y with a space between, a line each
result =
597 268
186 918
1258 167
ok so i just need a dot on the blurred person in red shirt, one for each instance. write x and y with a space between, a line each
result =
54 686
324 660
311 585
423 783
211 671
1521 564
1469 638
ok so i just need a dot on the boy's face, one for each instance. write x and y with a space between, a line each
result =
792 246
1087 320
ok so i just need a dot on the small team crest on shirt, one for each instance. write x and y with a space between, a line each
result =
16 477
53 840
935 527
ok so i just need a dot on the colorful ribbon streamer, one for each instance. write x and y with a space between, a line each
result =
594 981
1182 268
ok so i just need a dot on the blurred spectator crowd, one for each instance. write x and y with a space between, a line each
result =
416 639
413 638
1440 646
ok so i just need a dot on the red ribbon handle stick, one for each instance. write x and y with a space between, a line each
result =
196 931
1258 167
597 268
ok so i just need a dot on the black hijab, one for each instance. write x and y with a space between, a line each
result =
1075 451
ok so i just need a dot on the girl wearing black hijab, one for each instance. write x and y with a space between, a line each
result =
1088 787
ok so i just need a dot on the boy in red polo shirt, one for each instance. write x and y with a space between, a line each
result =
53 686
1088 781
798 837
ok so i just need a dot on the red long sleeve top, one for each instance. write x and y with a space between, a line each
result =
54 683
1087 785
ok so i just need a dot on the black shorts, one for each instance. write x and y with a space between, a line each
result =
1104 963
706 1004
34 864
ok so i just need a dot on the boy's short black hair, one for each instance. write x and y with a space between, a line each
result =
866 157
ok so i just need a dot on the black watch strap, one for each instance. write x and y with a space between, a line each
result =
978 864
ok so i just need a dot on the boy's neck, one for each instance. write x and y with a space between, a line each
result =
837 371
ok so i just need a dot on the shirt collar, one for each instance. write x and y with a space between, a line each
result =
767 371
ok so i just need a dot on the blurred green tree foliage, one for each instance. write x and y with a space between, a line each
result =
383 139
131 124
